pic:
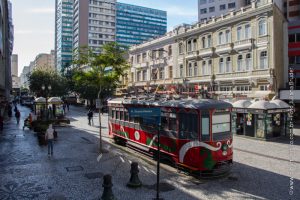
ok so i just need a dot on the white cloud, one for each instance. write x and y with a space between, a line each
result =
180 11
42 11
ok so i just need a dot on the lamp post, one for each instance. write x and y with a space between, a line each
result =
47 90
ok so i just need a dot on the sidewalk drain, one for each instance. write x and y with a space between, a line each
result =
87 140
94 175
74 169
57 197
163 187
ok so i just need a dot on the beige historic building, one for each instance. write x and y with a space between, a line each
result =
239 54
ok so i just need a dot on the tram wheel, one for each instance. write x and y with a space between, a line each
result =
120 141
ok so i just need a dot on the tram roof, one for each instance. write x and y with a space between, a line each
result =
183 103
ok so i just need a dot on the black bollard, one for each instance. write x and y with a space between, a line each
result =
107 192
134 181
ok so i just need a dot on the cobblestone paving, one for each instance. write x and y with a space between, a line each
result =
260 170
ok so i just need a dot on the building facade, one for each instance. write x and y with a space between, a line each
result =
63 33
14 71
136 24
6 47
24 77
44 61
94 23
232 56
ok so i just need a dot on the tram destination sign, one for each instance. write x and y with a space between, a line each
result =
144 112
149 115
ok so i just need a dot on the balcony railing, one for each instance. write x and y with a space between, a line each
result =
206 52
192 54
243 44
224 48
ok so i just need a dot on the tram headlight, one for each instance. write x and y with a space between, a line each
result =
224 147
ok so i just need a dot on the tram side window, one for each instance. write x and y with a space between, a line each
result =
117 114
110 112
205 127
121 115
126 116
188 126
221 126
113 114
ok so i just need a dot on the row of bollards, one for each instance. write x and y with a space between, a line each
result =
134 182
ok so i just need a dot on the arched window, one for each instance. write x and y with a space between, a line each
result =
240 63
209 41
247 31
194 44
228 36
221 38
239 33
248 62
180 48
190 70
204 68
263 60
170 50
195 69
221 65
203 42
181 71
228 64
189 46
262 27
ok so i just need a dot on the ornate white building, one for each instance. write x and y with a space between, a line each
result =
239 54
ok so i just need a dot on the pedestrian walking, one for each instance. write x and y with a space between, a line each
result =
68 106
1 123
18 115
49 136
90 117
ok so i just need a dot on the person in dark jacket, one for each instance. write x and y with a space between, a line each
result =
18 116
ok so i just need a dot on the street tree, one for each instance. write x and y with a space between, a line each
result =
47 77
104 72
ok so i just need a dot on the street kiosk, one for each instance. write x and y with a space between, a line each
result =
260 119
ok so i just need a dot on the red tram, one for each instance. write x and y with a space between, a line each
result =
194 134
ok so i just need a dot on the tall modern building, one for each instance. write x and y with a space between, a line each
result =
208 9
14 71
136 24
215 8
6 47
63 33
94 23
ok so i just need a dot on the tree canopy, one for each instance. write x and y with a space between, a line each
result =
44 77
103 72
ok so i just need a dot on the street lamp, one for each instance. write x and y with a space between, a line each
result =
47 90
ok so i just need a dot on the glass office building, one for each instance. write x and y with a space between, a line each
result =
136 24
63 33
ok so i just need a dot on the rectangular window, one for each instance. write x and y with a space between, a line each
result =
222 7
203 11
231 5
221 126
247 31
211 9
205 127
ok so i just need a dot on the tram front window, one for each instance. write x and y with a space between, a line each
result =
221 126
188 126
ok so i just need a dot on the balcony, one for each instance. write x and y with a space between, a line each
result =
243 44
206 52
224 48
192 55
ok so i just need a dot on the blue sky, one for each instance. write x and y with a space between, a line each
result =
34 23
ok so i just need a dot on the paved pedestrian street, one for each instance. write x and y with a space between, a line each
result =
261 169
